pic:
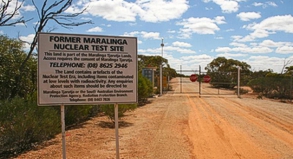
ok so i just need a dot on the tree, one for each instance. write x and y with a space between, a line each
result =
224 71
11 56
150 61
289 70
49 12
168 71
285 64
7 16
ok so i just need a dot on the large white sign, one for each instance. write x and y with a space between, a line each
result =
85 69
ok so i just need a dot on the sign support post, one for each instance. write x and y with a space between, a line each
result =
161 70
238 83
161 80
116 130
63 131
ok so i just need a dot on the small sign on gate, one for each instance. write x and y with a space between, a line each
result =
193 78
207 79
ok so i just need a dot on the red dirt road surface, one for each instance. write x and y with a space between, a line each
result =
217 125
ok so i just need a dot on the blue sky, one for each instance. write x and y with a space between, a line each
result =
195 32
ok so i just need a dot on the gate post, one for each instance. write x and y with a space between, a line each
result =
199 72
181 79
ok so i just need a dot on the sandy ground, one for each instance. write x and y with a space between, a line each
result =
183 125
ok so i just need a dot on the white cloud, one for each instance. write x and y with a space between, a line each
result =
181 44
11 8
238 44
132 24
276 23
193 62
86 18
230 55
196 60
160 10
27 39
229 30
28 8
269 26
173 49
257 4
121 10
168 50
200 25
206 1
247 16
171 31
116 10
220 20
219 37
270 43
227 6
144 34
284 49
259 33
266 46
272 4
255 50
150 35
265 62
266 4
95 29
134 33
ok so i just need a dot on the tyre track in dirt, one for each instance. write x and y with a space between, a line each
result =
169 136
215 137
266 116
278 133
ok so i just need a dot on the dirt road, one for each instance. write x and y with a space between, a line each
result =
217 125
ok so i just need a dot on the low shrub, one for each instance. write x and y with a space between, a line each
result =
145 88
23 123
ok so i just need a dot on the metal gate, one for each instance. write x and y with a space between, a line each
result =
199 87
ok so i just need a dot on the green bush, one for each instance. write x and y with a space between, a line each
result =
108 109
145 88
273 86
23 123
